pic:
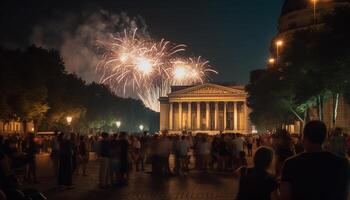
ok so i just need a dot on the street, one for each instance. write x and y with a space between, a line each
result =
142 185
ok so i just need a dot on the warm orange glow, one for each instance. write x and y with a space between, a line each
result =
272 60
279 43
69 119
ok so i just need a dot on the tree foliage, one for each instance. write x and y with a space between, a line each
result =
35 86
313 67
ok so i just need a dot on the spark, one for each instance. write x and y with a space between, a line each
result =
147 67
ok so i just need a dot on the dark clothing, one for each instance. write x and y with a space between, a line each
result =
124 148
82 151
65 170
319 176
223 148
255 185
115 149
105 148
284 153
2 173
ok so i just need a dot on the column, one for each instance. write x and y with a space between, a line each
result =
216 115
189 115
245 108
180 116
235 116
225 115
171 116
207 116
198 115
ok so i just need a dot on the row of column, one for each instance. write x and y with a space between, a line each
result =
207 115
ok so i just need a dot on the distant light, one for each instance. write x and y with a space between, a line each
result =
141 127
32 129
69 119
272 60
279 43
118 123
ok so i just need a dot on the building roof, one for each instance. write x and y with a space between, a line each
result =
226 84
294 5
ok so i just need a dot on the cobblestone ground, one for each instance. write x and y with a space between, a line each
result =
195 185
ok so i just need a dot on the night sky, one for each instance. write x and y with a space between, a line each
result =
234 35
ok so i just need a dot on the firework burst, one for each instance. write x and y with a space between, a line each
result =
149 68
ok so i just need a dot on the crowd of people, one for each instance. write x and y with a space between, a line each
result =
316 168
283 166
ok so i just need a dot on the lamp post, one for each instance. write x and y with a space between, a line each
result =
279 44
315 9
69 121
141 127
118 123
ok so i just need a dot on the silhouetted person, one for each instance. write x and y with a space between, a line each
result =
124 148
31 150
315 174
104 161
65 169
256 183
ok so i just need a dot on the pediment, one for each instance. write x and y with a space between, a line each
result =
209 89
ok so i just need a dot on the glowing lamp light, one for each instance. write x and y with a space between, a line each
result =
144 65
32 129
272 60
69 120
118 123
141 127
279 43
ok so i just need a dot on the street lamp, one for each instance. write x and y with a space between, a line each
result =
315 7
272 61
69 120
118 123
279 44
141 127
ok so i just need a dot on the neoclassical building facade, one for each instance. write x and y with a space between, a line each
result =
206 108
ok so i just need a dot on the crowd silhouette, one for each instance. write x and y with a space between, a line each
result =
282 167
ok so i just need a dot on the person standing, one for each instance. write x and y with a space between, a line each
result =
83 155
65 170
124 157
31 150
182 149
136 152
284 148
337 143
250 146
204 153
315 174
104 161
55 150
115 151
256 183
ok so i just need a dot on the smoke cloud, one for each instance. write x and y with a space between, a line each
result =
77 36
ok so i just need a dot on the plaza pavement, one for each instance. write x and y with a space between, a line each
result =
142 185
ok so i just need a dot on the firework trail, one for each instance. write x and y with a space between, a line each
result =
149 68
